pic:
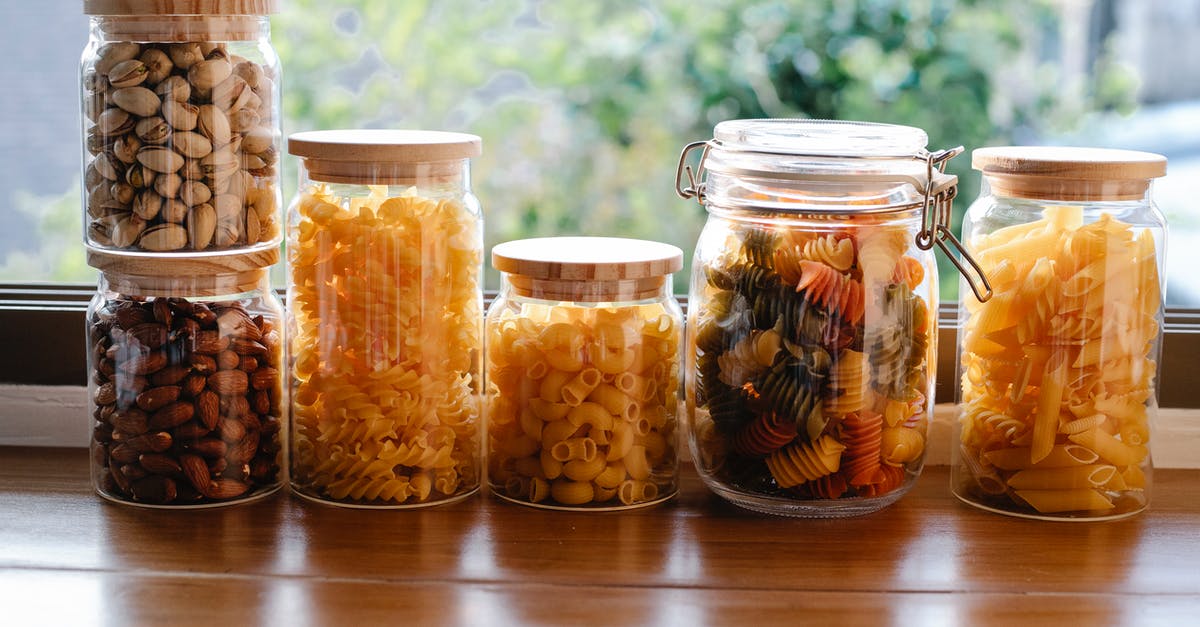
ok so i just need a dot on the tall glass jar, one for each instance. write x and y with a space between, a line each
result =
185 383
811 316
385 253
180 126
1058 370
583 362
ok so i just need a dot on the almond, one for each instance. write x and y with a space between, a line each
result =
106 394
234 407
264 379
150 334
155 398
236 323
123 454
203 364
229 382
196 471
209 342
210 448
150 442
171 375
172 415
244 451
226 489
132 421
191 430
208 408
203 314
231 430
228 360
130 314
261 402
146 363
193 384
159 464
247 363
243 346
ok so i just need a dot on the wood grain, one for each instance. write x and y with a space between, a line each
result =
695 560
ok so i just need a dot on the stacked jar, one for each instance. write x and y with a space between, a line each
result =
385 259
181 215
583 363
1058 371
811 315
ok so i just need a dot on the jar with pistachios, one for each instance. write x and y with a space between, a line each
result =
180 104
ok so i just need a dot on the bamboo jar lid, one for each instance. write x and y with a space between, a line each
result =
148 274
383 156
180 7
587 269
1068 173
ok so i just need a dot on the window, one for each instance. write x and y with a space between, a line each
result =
583 107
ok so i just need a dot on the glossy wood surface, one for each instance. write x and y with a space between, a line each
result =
68 558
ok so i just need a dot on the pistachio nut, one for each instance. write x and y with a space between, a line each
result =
162 160
192 170
127 230
164 237
180 115
158 65
243 120
108 166
257 140
94 81
137 100
209 73
153 130
213 124
122 192
92 176
174 88
250 72
107 209
95 142
214 50
219 164
201 225
99 195
173 211
263 202
228 206
235 143
191 145
237 184
168 185
226 234
129 73
252 163
184 56
252 227
114 121
109 55
93 105
140 177
194 193
126 147
147 205
231 94
98 233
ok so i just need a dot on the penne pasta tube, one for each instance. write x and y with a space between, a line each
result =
1059 456
1072 477
1057 501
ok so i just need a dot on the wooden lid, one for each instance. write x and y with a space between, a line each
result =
180 7
587 258
1068 173
180 265
383 155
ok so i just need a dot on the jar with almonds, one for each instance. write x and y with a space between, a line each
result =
185 384
180 127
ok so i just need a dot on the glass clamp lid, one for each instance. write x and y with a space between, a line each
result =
853 168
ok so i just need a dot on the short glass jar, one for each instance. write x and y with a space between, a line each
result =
811 315
385 300
185 381
1058 370
583 365
180 126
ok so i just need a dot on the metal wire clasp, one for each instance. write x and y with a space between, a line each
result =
940 190
695 188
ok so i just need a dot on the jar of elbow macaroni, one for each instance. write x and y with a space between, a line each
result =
812 312
583 365
385 253
1058 370
185 379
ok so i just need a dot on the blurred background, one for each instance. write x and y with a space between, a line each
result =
584 106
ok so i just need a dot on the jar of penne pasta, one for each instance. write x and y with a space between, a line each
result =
185 379
385 254
812 312
1058 370
583 365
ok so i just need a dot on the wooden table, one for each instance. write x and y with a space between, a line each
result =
68 558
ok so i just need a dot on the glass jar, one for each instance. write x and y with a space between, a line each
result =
385 257
583 373
180 126
812 312
185 385
1058 370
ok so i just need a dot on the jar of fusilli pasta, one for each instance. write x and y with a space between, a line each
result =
811 316
385 253
1058 370
185 384
583 366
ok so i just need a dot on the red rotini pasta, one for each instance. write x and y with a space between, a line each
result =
861 432
764 435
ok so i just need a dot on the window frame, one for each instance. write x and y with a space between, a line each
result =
42 332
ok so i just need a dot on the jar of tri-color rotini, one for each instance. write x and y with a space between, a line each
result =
385 254
1058 371
583 365
811 316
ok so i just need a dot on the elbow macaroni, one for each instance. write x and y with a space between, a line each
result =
598 423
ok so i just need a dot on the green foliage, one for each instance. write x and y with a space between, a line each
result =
59 256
